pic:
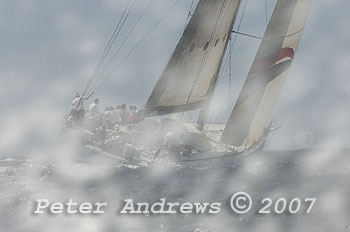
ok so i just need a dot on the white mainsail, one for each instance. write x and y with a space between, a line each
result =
192 70
267 74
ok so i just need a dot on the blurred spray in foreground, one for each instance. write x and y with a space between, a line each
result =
38 162
47 167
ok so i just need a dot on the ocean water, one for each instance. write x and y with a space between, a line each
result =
320 174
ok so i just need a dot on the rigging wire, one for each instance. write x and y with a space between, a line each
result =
107 48
203 62
230 75
136 46
178 39
124 41
189 13
235 37
233 41
114 39
206 53
187 20
248 35
240 22
232 45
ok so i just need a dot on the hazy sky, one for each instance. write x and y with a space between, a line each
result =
50 48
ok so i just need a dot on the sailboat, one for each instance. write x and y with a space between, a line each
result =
190 78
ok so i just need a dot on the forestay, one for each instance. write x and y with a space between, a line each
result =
267 74
192 70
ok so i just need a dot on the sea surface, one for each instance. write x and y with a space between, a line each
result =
320 174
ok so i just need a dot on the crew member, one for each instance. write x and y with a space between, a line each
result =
77 111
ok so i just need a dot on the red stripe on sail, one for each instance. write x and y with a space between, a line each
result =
285 52
265 62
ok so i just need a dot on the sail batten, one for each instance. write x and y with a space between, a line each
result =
192 70
267 74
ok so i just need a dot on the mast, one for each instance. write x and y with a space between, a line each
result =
191 73
267 74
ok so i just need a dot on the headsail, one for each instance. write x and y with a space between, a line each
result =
267 74
193 68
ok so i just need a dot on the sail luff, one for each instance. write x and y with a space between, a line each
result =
267 74
203 114
192 70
